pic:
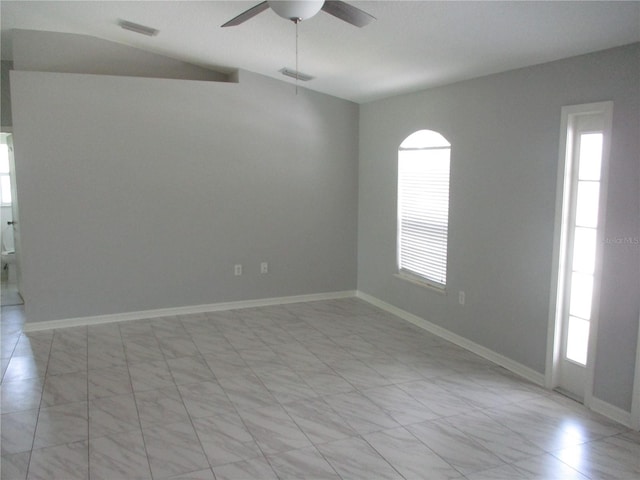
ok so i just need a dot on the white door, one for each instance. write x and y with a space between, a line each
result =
588 131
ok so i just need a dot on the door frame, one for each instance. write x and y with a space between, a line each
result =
558 283
8 131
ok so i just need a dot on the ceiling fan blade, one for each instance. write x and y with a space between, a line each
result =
348 13
244 16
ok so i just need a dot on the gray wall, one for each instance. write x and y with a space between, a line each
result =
140 193
5 98
72 53
504 130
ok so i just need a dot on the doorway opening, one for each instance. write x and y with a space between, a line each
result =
9 237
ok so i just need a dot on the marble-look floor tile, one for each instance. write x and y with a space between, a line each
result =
243 339
353 458
121 455
111 415
25 367
458 450
246 391
225 439
168 327
21 395
399 405
106 355
609 459
298 358
173 449
547 467
18 430
321 388
103 333
138 328
34 344
60 462
319 421
410 457
545 429
332 354
273 335
226 364
244 470
507 384
357 346
142 349
199 475
506 472
64 388
62 424
160 406
273 430
176 347
255 357
15 466
205 399
360 413
67 361
286 385
4 363
212 343
393 370
186 370
327 382
69 339
498 439
471 392
437 399
107 382
150 375
306 463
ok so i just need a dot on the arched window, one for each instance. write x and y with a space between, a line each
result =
423 206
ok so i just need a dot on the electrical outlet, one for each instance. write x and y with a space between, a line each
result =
237 270
461 298
264 267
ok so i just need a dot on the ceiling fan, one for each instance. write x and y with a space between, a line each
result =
299 10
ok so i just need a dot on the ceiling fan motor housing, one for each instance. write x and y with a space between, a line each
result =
296 10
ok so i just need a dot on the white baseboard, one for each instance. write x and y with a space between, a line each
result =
509 364
611 411
187 310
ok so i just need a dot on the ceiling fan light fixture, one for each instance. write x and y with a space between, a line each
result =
296 10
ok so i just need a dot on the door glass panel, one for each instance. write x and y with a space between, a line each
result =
578 340
587 207
584 250
5 189
590 156
581 291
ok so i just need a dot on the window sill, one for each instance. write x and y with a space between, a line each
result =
421 283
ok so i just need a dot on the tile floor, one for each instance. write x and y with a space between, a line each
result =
322 390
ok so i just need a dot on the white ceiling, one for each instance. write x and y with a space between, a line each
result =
413 44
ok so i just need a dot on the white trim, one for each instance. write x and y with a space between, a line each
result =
421 282
509 364
616 414
187 310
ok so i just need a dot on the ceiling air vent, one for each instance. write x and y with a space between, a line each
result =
303 77
141 29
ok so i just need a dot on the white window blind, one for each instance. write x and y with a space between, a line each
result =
423 206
